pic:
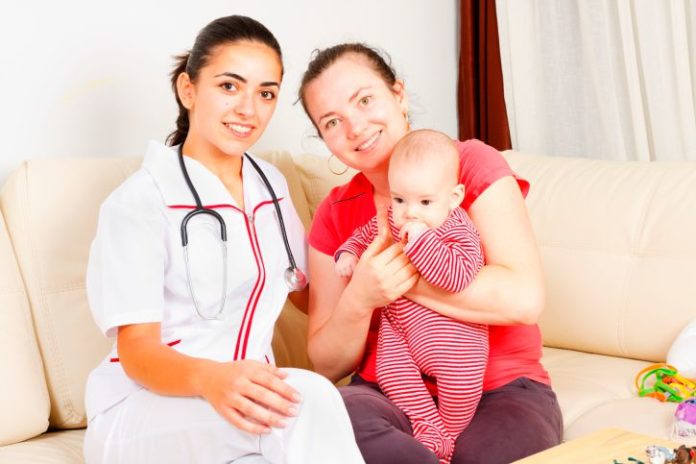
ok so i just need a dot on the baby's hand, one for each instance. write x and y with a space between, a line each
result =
411 230
345 264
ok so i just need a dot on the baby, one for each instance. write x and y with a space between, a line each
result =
442 243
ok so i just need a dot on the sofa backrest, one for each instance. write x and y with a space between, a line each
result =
50 207
618 244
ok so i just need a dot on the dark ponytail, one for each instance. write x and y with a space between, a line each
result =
225 30
182 121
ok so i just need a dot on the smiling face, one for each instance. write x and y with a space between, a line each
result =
359 116
232 99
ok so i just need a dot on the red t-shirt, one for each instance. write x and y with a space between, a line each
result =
515 351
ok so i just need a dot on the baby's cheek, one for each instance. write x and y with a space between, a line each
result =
398 219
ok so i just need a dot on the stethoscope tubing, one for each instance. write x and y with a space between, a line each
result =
294 277
199 206
276 205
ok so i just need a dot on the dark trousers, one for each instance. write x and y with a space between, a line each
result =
513 421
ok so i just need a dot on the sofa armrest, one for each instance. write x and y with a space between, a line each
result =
23 394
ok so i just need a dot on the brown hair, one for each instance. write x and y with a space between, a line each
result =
321 60
225 30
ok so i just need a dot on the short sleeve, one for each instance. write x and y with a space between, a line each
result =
126 269
480 166
323 235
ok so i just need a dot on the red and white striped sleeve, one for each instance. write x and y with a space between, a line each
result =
450 256
357 243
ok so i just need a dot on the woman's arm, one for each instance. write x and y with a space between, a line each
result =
509 288
340 311
249 394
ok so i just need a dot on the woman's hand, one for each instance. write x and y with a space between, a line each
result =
384 272
251 395
340 312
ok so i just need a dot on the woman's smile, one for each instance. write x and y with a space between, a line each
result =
369 143
238 129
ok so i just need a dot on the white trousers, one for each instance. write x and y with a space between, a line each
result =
149 428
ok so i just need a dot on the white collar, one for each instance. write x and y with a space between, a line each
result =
162 163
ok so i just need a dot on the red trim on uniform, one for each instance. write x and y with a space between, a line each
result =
257 249
223 205
263 203
175 342
245 328
253 291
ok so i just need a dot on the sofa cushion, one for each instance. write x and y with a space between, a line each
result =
63 447
23 396
646 416
51 219
618 245
596 391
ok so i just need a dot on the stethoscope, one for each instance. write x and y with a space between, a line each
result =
294 277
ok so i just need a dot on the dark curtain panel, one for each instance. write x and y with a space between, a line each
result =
481 104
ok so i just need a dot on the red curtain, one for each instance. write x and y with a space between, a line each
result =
481 104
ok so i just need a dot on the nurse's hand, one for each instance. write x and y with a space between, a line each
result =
251 395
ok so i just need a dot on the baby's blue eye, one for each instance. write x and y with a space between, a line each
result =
425 202
398 200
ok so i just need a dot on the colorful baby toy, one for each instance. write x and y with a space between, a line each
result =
685 420
663 382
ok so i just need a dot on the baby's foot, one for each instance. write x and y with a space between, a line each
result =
439 443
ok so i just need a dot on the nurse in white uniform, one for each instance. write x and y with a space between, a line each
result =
191 377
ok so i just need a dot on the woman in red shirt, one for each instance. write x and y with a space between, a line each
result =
360 110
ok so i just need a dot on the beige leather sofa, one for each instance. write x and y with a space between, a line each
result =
618 242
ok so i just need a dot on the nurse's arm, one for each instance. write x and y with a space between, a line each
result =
251 395
509 288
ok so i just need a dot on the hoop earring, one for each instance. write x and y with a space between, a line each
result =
328 162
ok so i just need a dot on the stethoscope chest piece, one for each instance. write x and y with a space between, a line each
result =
295 279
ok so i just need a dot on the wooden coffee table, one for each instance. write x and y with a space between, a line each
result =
600 447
